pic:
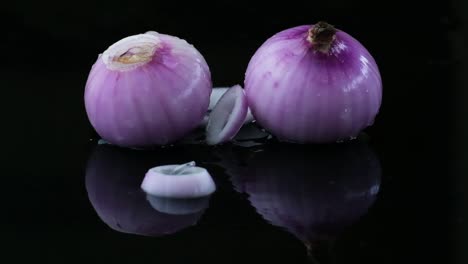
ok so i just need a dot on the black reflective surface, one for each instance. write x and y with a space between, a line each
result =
113 179
397 196
313 192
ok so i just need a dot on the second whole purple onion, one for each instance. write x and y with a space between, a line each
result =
313 84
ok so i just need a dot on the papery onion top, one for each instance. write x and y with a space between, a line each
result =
131 52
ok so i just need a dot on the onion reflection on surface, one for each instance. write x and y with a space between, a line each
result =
113 179
314 192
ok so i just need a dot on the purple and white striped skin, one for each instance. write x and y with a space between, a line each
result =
147 89
227 116
313 84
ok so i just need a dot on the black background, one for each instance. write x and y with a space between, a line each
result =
419 135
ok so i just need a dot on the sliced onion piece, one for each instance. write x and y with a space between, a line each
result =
178 181
227 116
216 94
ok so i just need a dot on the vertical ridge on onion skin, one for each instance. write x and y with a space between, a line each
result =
302 93
143 108
92 91
102 106
181 85
298 127
169 96
165 116
311 111
122 110
146 131
95 72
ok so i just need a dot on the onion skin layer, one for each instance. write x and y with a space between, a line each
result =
227 116
305 95
154 102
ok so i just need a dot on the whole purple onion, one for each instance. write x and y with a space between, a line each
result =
147 89
312 191
113 178
313 84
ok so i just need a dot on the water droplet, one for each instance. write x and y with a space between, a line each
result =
367 90
346 114
318 95
102 142
374 190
